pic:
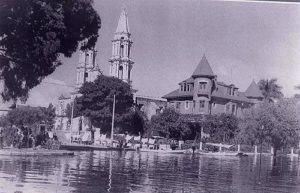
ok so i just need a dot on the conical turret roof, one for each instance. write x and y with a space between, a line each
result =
203 69
123 26
253 91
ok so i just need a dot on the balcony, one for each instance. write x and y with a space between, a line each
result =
205 92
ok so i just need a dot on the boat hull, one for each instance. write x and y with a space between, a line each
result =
219 153
163 151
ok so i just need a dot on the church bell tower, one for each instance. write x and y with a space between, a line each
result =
87 69
120 61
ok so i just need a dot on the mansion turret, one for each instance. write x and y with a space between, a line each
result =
202 93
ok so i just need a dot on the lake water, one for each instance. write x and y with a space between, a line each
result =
123 172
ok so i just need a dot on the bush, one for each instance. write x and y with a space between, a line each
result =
12 137
52 144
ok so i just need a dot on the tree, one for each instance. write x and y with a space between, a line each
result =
135 122
270 89
221 127
276 124
31 116
96 101
49 116
169 124
26 116
29 120
297 95
33 36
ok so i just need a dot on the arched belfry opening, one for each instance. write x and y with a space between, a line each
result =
121 72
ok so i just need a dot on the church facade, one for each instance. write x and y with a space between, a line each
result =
120 64
87 70
202 94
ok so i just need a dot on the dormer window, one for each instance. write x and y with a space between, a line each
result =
202 85
230 90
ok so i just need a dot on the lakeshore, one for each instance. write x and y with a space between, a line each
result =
34 152
78 147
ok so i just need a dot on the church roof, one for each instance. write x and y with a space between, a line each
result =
123 26
203 69
253 91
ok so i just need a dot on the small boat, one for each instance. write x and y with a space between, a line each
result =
220 152
223 153
165 151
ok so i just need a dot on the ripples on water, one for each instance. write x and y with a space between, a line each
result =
147 172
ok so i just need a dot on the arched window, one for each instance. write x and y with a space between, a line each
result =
121 72
86 58
122 51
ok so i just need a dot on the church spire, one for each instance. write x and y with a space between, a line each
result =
123 26
120 61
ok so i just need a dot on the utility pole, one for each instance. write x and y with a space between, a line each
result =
72 114
113 120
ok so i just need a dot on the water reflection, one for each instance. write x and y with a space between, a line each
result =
147 172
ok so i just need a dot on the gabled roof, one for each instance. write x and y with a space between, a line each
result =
253 91
239 97
203 69
176 93
62 97
123 26
189 80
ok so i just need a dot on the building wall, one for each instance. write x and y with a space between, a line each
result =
150 106
218 107
213 106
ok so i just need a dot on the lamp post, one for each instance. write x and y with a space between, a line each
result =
112 121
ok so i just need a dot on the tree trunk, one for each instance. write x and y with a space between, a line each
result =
92 136
275 151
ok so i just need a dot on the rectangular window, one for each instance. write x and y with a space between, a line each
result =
227 108
181 87
177 105
202 85
188 87
201 104
186 104
194 104
184 87
233 109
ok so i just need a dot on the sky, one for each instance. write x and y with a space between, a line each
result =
242 41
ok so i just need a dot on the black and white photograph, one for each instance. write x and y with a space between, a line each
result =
149 96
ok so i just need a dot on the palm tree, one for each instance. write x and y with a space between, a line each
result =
297 95
270 89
